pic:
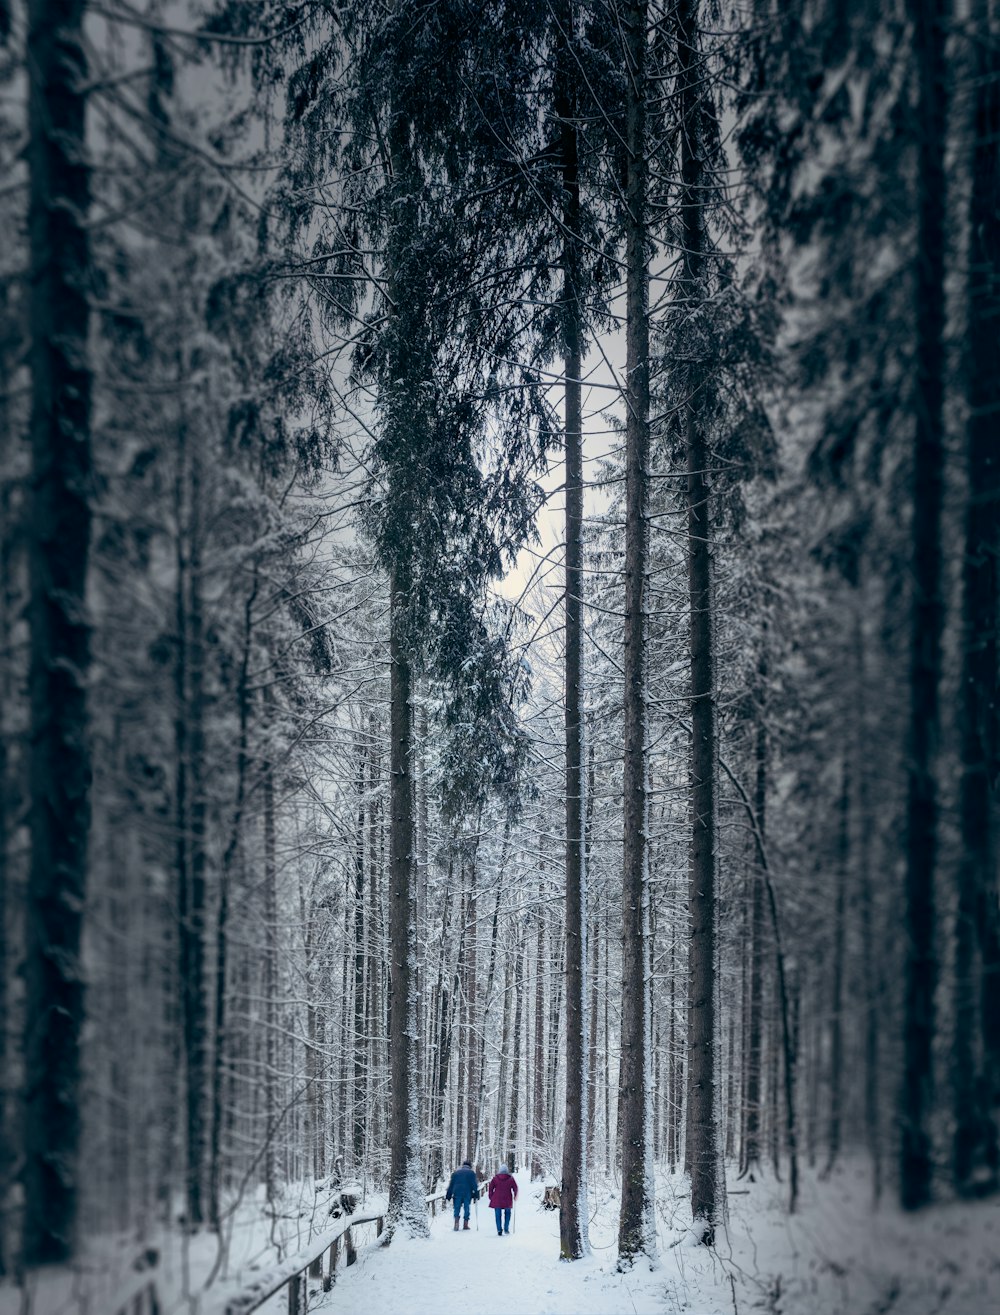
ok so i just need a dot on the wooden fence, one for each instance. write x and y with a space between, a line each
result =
318 1261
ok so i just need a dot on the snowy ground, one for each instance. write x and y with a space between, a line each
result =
836 1257
518 1275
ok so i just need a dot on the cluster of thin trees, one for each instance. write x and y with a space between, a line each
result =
321 858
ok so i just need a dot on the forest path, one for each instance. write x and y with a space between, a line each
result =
455 1273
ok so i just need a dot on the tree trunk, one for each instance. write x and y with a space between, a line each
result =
270 992
358 1102
471 1012
636 1227
837 992
538 1066
231 862
609 1158
406 1205
515 1081
443 1057
703 1154
673 1084
573 1243
930 19
374 1020
595 964
502 1106
59 538
9 808
975 1058
755 1025
480 1092
872 969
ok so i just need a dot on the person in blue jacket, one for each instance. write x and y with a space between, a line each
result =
463 1190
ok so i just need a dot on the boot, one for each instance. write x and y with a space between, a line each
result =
465 1227
456 1223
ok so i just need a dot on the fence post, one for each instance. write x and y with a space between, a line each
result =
331 1273
316 1267
379 1225
295 1295
352 1255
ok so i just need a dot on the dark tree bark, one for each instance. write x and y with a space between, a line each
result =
59 539
358 1099
374 999
755 1022
872 974
573 1195
231 864
787 1003
270 973
443 1043
975 1059
471 994
515 1081
190 817
703 1155
9 808
556 1043
406 1205
636 1231
480 1091
674 1085
538 1065
595 947
504 1077
573 1242
930 20
836 1088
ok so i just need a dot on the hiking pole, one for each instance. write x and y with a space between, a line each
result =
477 1214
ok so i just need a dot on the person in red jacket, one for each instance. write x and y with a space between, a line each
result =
502 1189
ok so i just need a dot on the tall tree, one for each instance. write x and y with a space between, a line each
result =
636 1227
930 20
975 1061
703 1153
60 765
573 1197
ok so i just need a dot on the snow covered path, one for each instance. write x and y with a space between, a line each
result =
454 1273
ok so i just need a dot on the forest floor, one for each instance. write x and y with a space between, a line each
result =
836 1256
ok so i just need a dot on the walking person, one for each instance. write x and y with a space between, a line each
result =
462 1191
502 1189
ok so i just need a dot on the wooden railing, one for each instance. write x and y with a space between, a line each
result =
318 1261
296 1272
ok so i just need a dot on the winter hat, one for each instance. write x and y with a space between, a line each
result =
504 1169
466 1164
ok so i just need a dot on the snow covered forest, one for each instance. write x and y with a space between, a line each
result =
499 604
